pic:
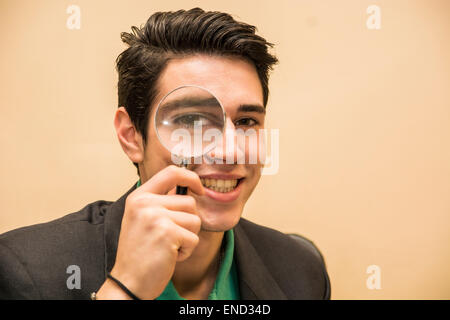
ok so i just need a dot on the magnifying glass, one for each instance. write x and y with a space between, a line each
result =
189 122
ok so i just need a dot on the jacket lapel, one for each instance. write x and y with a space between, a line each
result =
255 281
113 223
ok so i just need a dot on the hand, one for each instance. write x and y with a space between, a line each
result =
158 229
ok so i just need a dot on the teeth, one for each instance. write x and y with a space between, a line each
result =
220 185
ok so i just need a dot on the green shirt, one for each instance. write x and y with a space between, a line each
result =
226 286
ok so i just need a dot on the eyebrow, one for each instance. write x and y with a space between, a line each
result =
208 102
251 108
189 102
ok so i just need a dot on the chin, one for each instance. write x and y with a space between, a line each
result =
220 221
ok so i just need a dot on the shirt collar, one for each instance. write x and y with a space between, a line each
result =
222 287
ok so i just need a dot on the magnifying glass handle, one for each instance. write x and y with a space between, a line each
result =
182 190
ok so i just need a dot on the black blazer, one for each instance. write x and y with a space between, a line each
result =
34 260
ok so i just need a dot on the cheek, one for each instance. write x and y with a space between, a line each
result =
255 174
156 157
254 145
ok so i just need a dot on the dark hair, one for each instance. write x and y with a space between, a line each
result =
173 34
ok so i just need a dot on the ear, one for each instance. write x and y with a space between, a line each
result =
129 138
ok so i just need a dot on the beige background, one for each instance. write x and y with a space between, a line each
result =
364 119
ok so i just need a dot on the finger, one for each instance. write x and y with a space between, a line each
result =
171 176
175 202
188 242
185 220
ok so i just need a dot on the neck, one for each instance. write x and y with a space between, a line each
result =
196 275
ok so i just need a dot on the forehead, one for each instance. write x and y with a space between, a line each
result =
234 81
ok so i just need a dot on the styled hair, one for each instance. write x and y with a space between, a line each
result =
168 35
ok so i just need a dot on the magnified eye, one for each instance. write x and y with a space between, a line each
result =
189 120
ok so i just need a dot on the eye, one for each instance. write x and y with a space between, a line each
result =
246 122
188 120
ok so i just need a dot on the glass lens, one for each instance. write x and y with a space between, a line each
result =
189 121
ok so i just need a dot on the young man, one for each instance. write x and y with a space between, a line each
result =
153 243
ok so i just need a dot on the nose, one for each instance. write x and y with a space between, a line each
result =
229 149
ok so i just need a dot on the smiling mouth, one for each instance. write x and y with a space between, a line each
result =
220 185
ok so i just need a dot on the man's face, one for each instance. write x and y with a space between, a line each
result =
235 83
